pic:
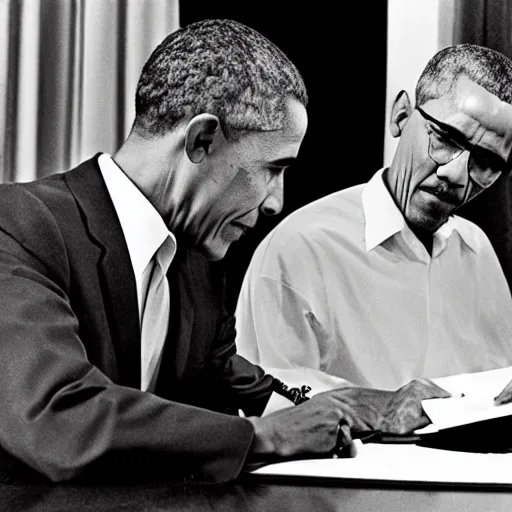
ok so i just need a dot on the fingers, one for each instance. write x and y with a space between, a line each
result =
405 413
345 446
438 390
354 418
361 407
429 389
505 395
350 451
316 426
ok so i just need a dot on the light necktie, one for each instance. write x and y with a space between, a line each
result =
155 317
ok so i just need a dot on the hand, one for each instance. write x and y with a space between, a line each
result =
310 428
404 412
363 408
505 395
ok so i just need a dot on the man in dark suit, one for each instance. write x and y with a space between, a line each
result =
91 379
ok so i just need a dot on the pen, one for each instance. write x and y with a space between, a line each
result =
376 436
397 439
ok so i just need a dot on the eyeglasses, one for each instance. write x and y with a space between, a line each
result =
446 144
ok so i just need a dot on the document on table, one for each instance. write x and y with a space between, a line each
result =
477 404
404 463
409 463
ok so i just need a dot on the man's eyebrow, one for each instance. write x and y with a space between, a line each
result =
450 130
282 162
460 138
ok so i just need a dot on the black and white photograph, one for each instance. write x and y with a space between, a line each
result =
255 256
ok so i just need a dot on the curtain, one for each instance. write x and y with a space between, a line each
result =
489 23
484 22
68 73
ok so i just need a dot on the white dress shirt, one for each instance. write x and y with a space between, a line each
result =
342 292
143 228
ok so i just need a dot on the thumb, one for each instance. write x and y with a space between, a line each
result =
505 395
435 391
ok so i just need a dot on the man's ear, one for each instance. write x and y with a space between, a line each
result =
200 134
400 112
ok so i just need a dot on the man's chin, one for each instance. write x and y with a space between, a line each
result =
216 247
427 225
427 222
430 218
214 252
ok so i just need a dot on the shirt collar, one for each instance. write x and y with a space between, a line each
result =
462 227
383 219
143 227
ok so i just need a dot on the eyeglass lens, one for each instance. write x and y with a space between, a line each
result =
482 168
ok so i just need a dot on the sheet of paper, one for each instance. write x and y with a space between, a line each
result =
479 390
478 384
403 463
411 463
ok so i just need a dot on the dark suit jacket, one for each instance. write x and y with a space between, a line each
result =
70 346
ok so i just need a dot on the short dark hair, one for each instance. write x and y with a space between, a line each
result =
488 68
220 67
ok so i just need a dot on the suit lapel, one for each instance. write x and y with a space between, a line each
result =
114 266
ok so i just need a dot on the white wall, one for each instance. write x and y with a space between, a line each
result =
417 29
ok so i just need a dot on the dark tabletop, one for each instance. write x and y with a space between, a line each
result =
250 495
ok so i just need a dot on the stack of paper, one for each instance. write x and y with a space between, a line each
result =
477 404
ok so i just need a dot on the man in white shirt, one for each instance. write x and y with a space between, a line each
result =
379 284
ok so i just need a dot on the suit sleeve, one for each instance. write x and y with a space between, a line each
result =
245 386
60 414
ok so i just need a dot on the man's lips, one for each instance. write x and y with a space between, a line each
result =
442 194
244 227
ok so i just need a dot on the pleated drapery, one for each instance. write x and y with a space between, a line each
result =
68 74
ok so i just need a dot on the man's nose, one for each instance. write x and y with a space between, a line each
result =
273 203
455 171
